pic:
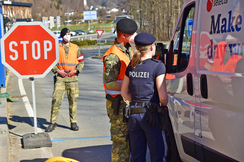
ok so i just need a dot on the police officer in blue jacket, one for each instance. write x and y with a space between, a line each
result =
144 86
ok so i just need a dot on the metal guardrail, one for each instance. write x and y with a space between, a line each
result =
82 37
103 39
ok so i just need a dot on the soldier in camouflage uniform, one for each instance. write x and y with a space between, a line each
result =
69 66
113 69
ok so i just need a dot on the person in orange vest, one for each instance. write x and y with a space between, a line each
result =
115 62
221 55
71 63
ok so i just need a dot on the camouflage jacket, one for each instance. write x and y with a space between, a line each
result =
112 65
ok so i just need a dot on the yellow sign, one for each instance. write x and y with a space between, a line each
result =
61 159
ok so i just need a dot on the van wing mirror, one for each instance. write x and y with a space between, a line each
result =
161 52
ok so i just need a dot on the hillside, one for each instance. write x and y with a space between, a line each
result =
107 3
42 8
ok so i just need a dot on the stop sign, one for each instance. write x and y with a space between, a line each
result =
29 50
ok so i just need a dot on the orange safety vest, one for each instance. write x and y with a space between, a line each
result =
69 63
218 65
124 62
230 66
219 55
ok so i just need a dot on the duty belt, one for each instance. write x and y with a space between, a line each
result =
138 110
142 109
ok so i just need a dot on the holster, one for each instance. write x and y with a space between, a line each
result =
152 119
54 79
115 103
164 114
126 113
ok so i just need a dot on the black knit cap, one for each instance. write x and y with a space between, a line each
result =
64 31
126 26
142 39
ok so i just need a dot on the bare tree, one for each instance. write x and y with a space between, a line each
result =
101 13
157 17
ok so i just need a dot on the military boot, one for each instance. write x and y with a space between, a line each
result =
51 127
74 127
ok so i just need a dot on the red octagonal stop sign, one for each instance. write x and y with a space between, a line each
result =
29 50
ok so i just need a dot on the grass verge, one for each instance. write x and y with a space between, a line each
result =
104 44
107 27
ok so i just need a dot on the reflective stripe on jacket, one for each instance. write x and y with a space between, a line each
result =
69 63
124 62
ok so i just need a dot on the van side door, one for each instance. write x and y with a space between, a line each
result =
221 80
180 82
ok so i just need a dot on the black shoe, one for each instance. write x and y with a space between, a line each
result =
74 127
51 127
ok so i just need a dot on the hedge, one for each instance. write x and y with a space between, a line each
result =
85 42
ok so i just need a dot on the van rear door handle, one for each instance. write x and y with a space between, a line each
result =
204 86
189 84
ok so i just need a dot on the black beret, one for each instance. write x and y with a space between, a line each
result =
126 26
64 31
144 39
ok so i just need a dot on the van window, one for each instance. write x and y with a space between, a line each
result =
182 40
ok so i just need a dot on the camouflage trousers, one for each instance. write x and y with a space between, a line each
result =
119 131
58 95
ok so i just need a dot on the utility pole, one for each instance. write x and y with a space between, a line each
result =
68 20
140 15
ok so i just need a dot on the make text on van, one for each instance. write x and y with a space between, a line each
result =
232 24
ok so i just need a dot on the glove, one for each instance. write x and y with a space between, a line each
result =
163 117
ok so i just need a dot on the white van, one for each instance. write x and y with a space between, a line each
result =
205 82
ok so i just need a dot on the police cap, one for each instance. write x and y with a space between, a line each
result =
126 26
142 39
64 31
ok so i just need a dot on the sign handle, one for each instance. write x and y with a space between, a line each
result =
34 102
88 25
